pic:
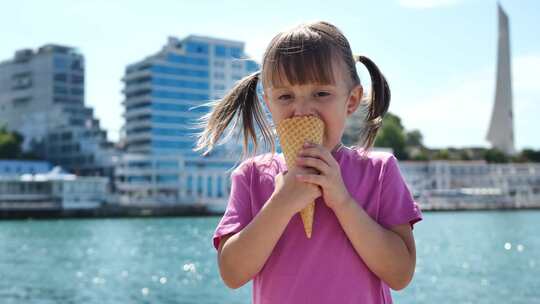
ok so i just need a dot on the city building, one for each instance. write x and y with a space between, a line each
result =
165 96
53 191
13 168
42 97
453 184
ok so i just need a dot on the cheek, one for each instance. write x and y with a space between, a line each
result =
334 126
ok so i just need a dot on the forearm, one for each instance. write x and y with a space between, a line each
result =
383 251
245 253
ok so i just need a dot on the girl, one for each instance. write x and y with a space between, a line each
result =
362 242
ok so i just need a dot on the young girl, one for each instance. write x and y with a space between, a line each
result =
362 242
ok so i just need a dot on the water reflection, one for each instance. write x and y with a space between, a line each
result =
461 257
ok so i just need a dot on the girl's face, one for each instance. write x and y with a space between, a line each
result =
332 103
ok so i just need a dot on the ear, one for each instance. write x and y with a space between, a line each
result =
355 98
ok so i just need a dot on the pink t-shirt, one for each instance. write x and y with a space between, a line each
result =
325 268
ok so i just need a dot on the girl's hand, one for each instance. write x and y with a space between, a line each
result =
293 194
316 156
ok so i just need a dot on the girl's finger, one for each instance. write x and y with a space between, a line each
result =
320 152
313 162
312 179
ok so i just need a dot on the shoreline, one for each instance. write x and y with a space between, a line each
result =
109 211
114 211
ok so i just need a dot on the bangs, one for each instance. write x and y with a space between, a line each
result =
299 58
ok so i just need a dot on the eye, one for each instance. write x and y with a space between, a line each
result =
285 97
322 94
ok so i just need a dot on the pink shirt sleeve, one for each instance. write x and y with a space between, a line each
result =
238 212
397 205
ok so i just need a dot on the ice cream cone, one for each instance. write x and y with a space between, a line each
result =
293 133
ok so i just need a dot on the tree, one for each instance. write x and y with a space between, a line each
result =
531 155
442 154
495 156
414 138
421 155
10 144
464 155
392 135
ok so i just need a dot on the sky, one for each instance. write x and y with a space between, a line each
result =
439 56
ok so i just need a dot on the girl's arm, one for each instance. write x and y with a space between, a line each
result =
242 255
390 254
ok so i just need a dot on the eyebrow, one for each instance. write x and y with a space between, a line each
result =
315 85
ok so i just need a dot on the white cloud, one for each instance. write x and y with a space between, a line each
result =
427 3
458 114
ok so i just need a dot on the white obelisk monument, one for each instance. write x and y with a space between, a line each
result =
501 128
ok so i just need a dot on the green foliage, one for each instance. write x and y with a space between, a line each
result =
421 156
531 155
495 156
10 144
442 154
392 135
409 145
414 139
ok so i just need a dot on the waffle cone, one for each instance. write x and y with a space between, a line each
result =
293 133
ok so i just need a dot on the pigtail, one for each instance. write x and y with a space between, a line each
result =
240 103
378 105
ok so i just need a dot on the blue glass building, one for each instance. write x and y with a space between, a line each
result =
164 98
164 92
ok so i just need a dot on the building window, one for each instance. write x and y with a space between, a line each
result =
139 179
220 185
167 165
252 66
67 136
160 144
167 178
77 79
199 184
178 71
180 83
237 65
182 108
60 77
171 132
197 48
21 81
60 90
77 65
219 75
21 101
189 184
220 51
61 100
187 60
137 93
60 63
236 52
77 91
209 186
179 95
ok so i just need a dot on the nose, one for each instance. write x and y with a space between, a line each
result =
303 106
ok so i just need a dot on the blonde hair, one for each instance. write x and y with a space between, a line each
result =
298 56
